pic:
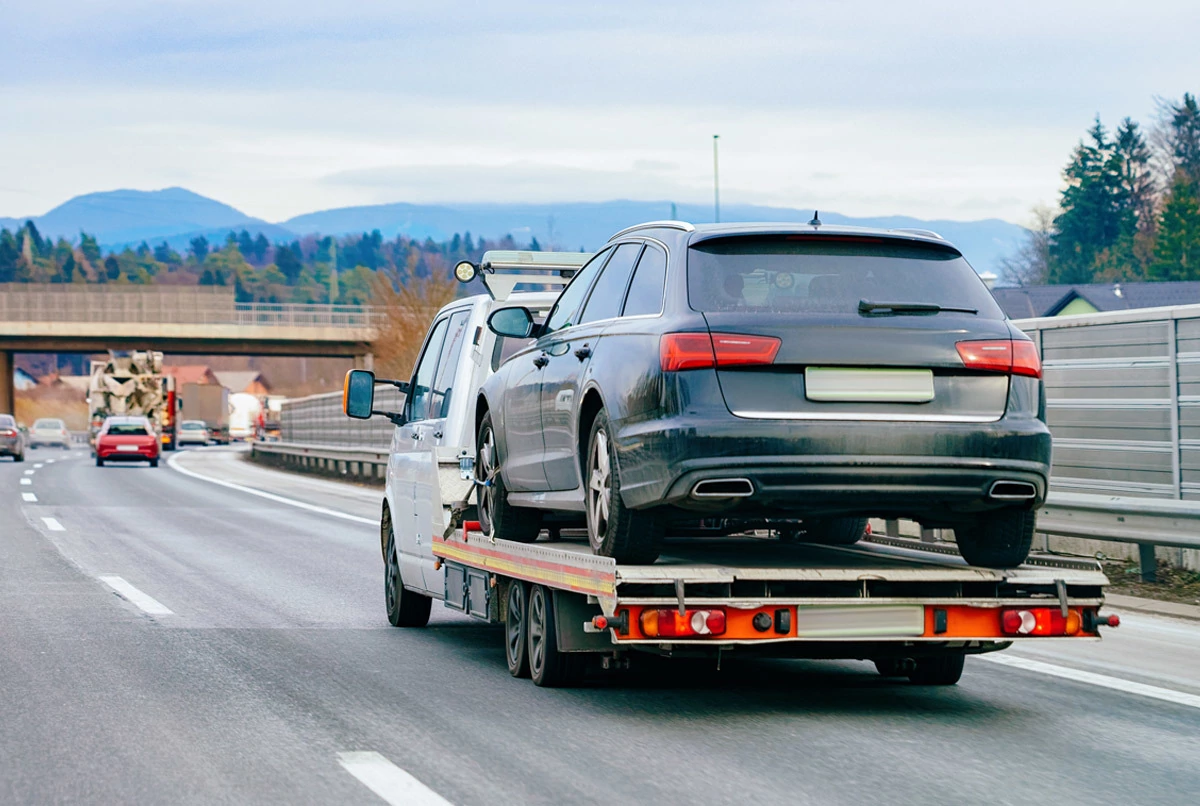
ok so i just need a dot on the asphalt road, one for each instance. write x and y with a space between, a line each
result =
273 677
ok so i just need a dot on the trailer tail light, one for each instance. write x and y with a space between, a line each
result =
678 351
1040 621
670 623
1018 357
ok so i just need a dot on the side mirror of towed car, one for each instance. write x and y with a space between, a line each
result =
515 323
358 396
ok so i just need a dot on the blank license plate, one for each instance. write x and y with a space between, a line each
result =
834 384
860 622
131 448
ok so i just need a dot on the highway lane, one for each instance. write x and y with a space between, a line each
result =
276 658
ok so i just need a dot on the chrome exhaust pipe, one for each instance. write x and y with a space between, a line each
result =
1012 490
723 488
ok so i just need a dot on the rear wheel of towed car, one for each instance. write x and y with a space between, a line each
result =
615 530
497 518
998 539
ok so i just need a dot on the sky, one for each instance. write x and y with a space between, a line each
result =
953 110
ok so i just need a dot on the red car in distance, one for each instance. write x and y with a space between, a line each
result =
127 439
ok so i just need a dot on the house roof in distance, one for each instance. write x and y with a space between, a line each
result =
240 380
1050 300
190 373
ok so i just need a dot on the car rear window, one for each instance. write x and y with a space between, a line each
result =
192 426
814 274
127 429
48 424
7 421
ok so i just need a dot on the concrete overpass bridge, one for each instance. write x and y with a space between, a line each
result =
202 320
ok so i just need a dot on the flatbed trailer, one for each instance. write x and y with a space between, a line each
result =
915 609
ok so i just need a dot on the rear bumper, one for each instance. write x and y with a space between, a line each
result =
917 470
126 456
10 446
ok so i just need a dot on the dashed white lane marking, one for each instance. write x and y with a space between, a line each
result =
333 513
48 461
29 498
37 467
27 481
385 779
28 472
1091 678
53 525
144 601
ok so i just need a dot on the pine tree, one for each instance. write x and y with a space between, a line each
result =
89 248
9 253
199 248
1177 249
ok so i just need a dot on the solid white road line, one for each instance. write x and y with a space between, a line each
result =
27 481
279 499
1091 678
144 601
29 497
388 781
53 525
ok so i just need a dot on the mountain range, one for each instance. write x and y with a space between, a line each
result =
121 218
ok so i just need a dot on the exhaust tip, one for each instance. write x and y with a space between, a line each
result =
723 488
1012 490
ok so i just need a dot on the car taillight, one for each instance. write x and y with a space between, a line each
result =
670 623
1040 621
1011 357
679 351
8 432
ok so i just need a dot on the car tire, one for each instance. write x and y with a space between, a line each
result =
832 531
939 670
614 530
998 539
405 608
548 667
498 519
20 457
516 629
153 463
894 667
99 462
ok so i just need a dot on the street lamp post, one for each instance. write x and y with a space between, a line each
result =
716 183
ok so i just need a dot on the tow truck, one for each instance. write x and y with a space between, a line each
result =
915 609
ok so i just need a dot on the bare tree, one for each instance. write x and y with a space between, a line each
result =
409 308
1030 263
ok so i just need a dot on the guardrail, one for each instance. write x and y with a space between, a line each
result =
362 464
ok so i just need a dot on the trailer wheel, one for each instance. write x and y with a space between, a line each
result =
894 667
497 518
404 607
939 670
998 539
627 535
547 666
516 638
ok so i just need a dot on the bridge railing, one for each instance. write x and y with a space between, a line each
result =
193 305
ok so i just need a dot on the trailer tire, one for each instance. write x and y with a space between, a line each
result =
405 608
614 530
938 670
998 539
548 667
894 667
497 518
516 629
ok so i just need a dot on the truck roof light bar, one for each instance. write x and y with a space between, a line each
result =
504 270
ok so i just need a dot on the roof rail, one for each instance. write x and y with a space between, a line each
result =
504 270
928 233
679 225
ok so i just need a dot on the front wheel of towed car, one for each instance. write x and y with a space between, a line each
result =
997 539
614 530
497 518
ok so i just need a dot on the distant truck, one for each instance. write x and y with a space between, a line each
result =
244 415
208 402
131 384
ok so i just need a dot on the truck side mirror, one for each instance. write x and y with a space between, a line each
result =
358 394
515 323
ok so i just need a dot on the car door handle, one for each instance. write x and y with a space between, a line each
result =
583 352
541 361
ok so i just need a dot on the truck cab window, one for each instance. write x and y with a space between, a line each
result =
417 405
452 348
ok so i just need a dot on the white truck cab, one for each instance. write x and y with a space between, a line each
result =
436 428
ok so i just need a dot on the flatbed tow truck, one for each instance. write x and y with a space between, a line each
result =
915 609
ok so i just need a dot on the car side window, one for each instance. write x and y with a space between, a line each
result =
609 291
456 334
416 407
565 310
649 278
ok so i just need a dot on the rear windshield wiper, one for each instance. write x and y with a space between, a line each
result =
866 306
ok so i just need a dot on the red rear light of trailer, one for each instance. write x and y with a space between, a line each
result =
1040 621
1003 355
670 623
679 351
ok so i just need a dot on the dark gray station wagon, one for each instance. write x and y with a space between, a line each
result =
794 377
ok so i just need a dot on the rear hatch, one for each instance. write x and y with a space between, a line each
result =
842 352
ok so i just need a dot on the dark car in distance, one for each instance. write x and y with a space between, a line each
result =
12 443
797 377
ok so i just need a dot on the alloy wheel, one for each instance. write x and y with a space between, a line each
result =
392 577
599 492
515 623
485 470
537 631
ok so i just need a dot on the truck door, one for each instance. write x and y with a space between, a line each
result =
407 458
569 352
428 506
